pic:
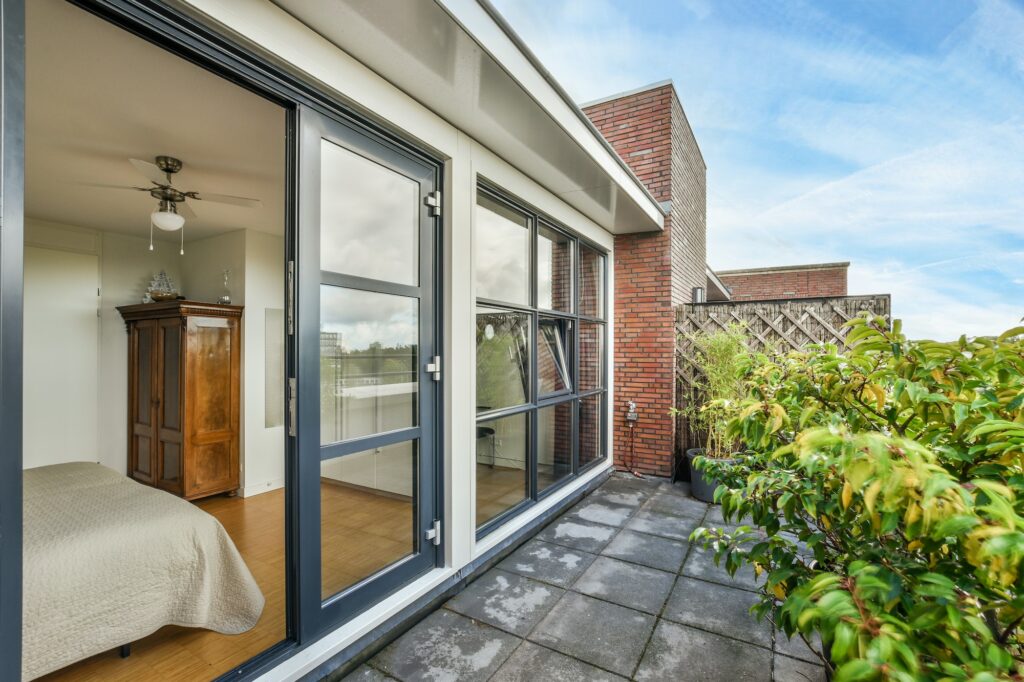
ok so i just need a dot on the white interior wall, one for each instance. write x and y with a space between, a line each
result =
60 388
263 352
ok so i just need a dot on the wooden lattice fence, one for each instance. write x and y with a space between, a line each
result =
780 324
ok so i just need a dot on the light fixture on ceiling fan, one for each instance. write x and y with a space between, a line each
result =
172 209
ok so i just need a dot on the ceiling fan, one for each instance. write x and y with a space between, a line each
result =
174 204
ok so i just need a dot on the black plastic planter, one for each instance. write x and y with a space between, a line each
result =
701 487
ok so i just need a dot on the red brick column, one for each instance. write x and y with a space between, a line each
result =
639 127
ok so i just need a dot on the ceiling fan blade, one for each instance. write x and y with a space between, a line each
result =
227 199
150 171
186 211
103 186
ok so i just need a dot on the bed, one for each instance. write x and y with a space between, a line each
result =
95 578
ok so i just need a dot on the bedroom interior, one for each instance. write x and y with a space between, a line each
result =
153 428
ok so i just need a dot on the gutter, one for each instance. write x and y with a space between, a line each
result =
520 44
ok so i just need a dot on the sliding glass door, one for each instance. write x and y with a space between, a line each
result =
368 375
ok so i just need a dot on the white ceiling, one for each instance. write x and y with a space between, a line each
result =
97 95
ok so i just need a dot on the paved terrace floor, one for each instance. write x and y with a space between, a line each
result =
611 590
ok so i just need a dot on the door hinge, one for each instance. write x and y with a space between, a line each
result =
433 201
291 298
292 400
434 367
434 534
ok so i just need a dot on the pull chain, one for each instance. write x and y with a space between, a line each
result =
150 231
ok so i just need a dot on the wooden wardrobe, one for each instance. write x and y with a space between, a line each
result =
184 363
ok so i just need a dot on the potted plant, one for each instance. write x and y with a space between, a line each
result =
886 484
718 359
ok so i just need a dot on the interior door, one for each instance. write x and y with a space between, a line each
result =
366 387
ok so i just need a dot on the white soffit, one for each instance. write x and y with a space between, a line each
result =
458 60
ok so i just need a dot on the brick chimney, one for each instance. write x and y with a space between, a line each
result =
654 272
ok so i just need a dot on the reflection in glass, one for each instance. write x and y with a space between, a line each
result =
554 444
368 363
367 516
591 282
554 270
591 355
501 474
502 359
502 252
369 218
590 429
552 358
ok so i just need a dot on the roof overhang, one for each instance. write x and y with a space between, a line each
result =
462 61
717 290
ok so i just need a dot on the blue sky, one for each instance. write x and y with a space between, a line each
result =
889 133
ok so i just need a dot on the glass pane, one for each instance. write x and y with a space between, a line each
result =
591 355
501 474
554 270
502 252
368 363
369 218
552 356
554 444
591 282
502 359
367 514
590 429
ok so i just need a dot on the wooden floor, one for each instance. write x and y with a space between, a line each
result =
498 489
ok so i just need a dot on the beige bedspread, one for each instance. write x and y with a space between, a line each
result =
108 561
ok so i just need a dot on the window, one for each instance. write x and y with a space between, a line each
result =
540 344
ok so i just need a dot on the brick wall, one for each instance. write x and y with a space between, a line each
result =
798 281
653 271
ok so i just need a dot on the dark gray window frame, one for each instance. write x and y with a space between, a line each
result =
537 401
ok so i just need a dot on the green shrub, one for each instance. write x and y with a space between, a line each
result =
884 487
719 358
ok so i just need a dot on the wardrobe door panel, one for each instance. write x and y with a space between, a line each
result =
142 382
211 409
169 460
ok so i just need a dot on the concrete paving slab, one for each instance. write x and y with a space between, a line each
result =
683 654
637 587
701 564
627 482
507 601
676 505
598 511
446 646
623 498
365 673
681 488
797 648
596 632
548 562
792 670
720 609
650 550
659 523
533 663
578 534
